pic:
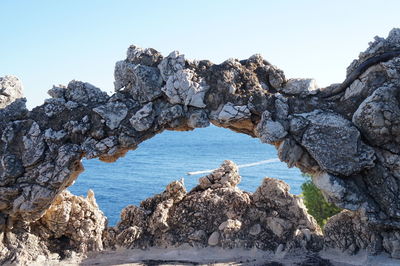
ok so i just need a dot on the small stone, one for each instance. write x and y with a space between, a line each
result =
276 225
213 240
280 249
307 233
255 230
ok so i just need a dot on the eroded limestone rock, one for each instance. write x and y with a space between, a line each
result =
335 143
71 226
185 87
217 213
346 135
300 87
10 90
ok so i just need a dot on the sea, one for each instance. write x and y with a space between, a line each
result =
171 156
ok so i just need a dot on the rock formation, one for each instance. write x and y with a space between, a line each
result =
71 227
345 135
217 213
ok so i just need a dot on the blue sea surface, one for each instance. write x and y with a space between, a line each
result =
169 156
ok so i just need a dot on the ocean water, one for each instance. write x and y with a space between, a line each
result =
170 156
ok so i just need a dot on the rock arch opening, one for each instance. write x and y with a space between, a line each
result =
172 155
345 135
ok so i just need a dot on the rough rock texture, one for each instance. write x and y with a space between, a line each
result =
346 135
218 213
10 90
71 226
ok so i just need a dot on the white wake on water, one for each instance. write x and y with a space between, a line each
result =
239 166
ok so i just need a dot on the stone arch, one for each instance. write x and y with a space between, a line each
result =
193 152
346 137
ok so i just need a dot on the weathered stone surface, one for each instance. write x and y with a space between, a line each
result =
269 131
113 113
217 213
71 225
348 140
148 56
300 87
148 82
171 64
83 93
335 143
198 119
231 112
10 90
141 81
378 118
143 118
226 175
185 87
350 232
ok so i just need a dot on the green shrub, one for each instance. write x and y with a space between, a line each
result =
316 204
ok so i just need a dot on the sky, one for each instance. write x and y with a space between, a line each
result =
47 43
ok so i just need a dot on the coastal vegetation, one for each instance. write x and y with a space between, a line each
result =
316 204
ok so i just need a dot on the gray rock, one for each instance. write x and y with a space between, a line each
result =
54 107
33 144
52 135
113 113
171 64
282 108
231 112
123 75
255 229
336 144
10 90
276 225
198 119
269 131
14 111
300 86
343 193
148 56
171 116
147 83
198 235
184 87
11 167
290 152
57 92
276 77
378 118
143 118
213 240
348 142
84 93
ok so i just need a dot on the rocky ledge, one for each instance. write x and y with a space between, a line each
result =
345 135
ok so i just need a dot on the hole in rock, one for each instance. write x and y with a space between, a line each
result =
170 156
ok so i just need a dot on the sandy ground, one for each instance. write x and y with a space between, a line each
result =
218 256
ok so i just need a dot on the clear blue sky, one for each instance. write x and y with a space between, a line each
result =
53 42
